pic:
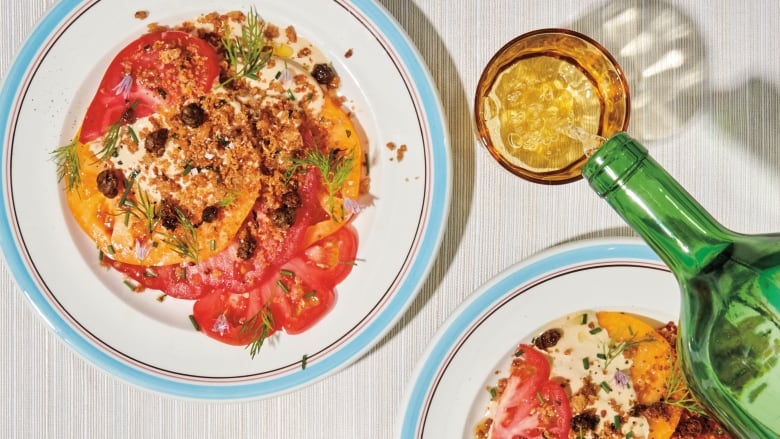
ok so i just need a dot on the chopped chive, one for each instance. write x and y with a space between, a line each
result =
161 297
604 386
586 363
601 356
519 352
110 250
304 360
149 273
584 319
183 272
278 74
130 285
616 422
194 323
282 286
595 330
212 245
493 392
132 134
101 255
310 294
290 95
629 435
540 398
287 273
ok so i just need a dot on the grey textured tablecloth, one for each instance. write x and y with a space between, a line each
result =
712 122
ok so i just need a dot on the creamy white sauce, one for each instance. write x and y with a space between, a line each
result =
582 343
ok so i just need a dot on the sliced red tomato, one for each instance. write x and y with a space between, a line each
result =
158 69
327 261
234 318
304 286
297 304
531 405
227 271
223 271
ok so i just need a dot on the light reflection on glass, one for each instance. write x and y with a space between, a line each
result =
663 57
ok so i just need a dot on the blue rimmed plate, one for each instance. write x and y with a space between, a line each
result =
150 343
448 394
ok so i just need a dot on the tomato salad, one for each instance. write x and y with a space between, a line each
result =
596 375
216 163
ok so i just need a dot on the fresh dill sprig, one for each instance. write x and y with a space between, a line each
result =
110 142
260 327
144 208
111 139
613 348
247 53
185 244
677 392
335 168
68 164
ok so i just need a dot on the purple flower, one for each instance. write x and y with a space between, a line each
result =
351 205
141 250
221 325
621 379
124 86
286 76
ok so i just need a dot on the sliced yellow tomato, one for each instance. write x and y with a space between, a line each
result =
653 360
342 135
125 238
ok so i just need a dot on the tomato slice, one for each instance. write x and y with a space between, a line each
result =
328 261
158 69
234 318
307 281
342 135
297 303
531 405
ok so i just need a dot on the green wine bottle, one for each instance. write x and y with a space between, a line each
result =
729 328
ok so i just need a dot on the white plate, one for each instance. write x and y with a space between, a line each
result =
152 344
448 393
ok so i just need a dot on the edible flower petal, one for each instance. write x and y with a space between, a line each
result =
352 205
141 250
621 379
124 86
221 325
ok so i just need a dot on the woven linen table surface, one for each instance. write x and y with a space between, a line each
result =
711 119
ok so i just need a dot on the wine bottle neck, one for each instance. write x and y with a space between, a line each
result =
672 222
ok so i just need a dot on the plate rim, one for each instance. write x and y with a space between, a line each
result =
433 125
537 265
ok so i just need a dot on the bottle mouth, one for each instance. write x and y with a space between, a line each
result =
613 163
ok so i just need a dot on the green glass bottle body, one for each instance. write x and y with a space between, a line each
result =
729 327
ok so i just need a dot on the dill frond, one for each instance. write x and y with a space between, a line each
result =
68 164
185 243
247 53
260 326
611 350
677 392
334 167
111 139
143 208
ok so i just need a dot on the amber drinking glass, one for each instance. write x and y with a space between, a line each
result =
547 97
